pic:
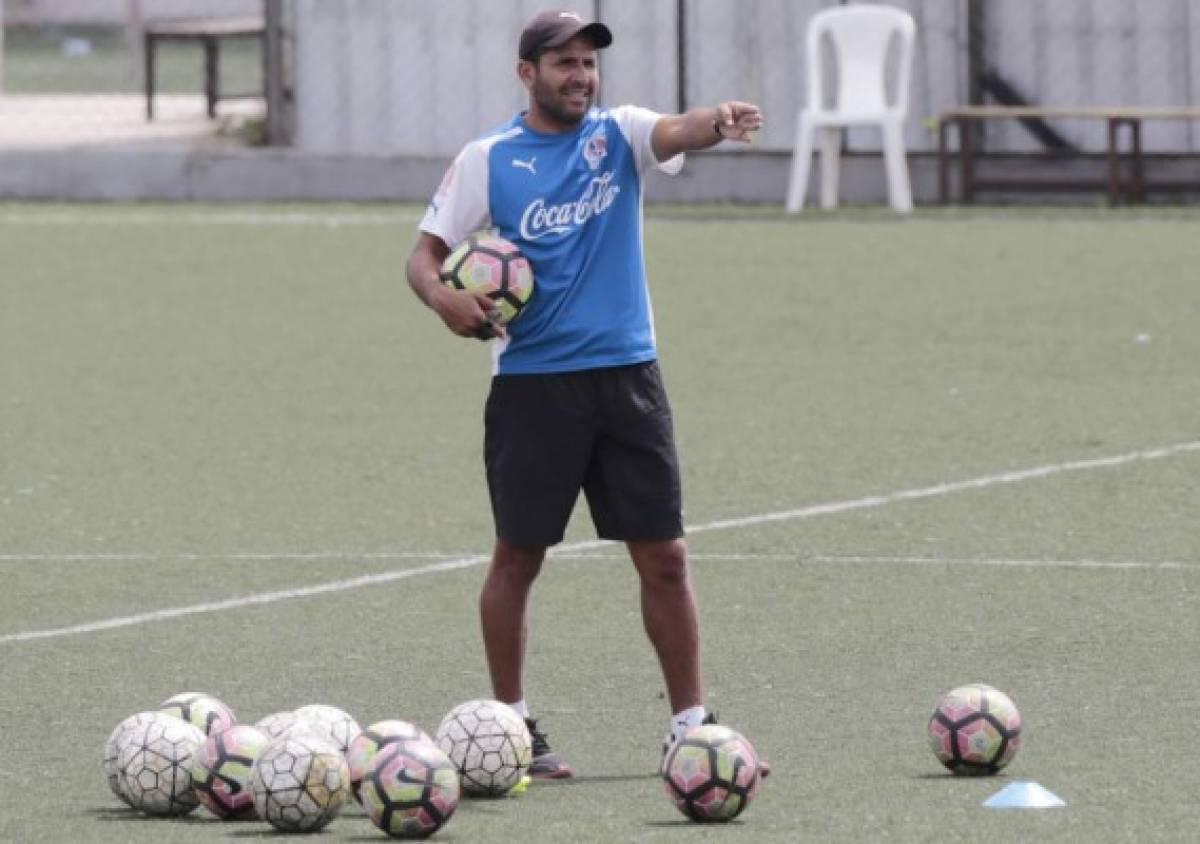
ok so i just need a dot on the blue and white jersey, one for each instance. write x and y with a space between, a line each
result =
572 203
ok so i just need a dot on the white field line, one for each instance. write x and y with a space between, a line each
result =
938 490
1118 565
823 559
724 524
244 601
117 217
728 556
239 557
832 508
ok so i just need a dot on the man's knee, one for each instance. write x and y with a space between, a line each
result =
520 562
661 565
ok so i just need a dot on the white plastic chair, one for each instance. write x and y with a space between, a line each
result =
860 36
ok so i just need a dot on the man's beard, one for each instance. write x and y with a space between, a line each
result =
548 103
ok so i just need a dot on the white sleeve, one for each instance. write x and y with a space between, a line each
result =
637 124
460 205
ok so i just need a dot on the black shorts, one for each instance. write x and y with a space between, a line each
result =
605 431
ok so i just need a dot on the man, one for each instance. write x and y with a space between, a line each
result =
576 400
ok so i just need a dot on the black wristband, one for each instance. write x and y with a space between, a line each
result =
717 128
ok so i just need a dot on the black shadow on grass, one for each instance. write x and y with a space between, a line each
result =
110 813
486 805
684 823
599 779
116 813
268 831
946 776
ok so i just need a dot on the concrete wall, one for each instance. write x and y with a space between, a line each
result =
410 78
404 77
387 90
130 173
1098 53
282 174
419 78
116 12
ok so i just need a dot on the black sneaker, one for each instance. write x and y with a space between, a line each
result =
547 765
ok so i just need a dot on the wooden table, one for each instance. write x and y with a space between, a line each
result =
967 119
209 32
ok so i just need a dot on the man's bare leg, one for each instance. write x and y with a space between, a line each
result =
672 623
503 606
502 610
670 617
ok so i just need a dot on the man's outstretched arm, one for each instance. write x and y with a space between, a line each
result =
701 128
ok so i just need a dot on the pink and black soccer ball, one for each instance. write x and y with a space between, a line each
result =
410 790
221 771
488 263
975 730
367 744
712 773
210 714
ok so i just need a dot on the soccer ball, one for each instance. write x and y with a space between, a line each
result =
221 771
489 745
200 710
975 729
712 773
373 739
117 740
328 722
279 724
410 789
299 783
155 766
490 264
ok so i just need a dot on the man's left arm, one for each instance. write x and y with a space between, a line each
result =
701 128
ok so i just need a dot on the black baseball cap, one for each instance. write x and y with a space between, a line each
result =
553 28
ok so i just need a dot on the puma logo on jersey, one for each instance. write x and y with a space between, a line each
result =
526 165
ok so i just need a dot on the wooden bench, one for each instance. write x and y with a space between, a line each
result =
210 33
967 119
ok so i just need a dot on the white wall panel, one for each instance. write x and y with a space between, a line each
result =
1063 68
939 66
417 77
116 12
640 66
1160 53
751 50
1191 72
1096 53
1011 48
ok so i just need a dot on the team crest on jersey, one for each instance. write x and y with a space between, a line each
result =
595 149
